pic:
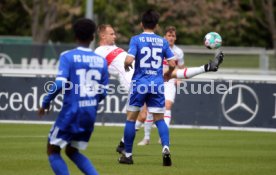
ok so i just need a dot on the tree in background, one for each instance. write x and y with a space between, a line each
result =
123 15
264 12
194 19
240 22
13 19
48 15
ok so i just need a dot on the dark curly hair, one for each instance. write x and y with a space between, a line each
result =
84 29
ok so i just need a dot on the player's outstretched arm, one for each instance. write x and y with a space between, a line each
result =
168 73
187 73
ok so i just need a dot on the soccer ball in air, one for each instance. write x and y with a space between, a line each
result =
212 40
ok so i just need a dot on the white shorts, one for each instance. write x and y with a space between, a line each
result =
170 90
63 138
117 69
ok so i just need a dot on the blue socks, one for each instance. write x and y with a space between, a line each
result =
129 135
58 165
163 132
83 164
60 168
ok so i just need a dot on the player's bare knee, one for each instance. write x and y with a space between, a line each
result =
158 116
142 116
168 105
69 151
53 149
132 115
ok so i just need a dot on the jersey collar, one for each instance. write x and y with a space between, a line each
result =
148 32
173 46
84 49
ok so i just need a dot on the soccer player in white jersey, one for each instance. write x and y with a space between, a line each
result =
82 78
114 55
148 50
170 86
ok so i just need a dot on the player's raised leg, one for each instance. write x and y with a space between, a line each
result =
212 66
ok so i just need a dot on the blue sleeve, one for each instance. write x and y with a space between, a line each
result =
62 75
167 51
104 82
64 67
54 90
132 47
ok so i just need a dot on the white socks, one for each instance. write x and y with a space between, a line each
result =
164 147
149 122
167 117
128 154
147 126
138 124
189 72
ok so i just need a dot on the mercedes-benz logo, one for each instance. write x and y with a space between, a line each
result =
240 103
5 60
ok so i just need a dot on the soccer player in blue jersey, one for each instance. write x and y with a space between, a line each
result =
148 50
82 78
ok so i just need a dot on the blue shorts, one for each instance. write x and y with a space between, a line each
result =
62 138
152 96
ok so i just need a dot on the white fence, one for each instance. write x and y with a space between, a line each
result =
263 54
37 60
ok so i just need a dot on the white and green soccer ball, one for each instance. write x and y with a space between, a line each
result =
212 40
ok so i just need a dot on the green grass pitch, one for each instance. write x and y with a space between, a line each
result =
194 152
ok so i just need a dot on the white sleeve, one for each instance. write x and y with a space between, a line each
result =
179 54
180 58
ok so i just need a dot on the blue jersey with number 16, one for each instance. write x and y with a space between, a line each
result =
86 77
149 50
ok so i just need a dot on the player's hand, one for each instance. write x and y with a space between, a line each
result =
128 67
42 111
167 75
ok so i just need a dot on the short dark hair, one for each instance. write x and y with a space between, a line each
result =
84 29
170 29
150 19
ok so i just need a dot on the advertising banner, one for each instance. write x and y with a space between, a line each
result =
242 104
197 103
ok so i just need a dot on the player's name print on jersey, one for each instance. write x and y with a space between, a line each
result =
94 61
86 103
153 40
151 72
